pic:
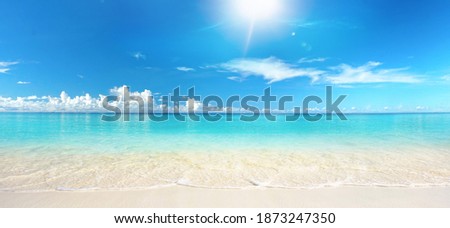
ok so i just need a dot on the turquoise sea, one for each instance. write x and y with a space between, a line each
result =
74 152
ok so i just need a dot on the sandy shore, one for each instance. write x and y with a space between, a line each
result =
179 196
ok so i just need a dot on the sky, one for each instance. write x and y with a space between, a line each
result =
386 56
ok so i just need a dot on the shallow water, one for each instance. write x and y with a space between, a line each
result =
47 152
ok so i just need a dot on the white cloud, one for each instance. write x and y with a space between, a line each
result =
446 78
421 108
185 69
4 66
4 70
7 64
271 69
236 78
23 83
346 74
191 105
138 55
118 91
65 103
306 60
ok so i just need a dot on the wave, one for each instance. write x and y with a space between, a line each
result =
253 187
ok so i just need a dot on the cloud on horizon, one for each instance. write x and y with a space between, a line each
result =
91 104
83 104
65 103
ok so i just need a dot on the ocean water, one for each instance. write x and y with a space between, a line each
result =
80 152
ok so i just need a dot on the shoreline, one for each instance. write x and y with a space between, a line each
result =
182 197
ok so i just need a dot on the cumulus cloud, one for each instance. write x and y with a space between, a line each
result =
185 69
66 103
119 91
63 103
23 83
91 104
271 69
191 105
4 66
367 73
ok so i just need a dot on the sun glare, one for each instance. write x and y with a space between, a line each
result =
256 15
256 10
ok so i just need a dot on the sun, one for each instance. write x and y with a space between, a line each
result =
258 10
253 12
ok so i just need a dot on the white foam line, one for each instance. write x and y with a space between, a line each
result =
322 186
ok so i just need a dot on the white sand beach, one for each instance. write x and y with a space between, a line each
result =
179 197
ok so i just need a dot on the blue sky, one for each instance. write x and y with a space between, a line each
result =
385 55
